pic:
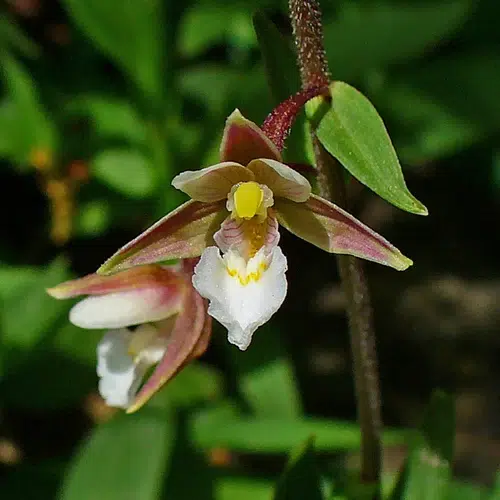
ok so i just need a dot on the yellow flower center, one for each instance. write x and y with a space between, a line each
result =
245 272
248 198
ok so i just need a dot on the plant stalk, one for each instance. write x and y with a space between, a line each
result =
308 32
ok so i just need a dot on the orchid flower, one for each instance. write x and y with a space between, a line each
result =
232 221
172 327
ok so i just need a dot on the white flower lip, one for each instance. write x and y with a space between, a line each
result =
243 294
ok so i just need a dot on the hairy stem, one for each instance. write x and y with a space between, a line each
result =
308 32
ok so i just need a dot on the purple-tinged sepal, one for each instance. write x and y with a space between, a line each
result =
188 338
182 234
244 141
332 229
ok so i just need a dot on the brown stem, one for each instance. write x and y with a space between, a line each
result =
308 31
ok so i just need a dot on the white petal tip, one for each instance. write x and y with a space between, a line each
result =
240 342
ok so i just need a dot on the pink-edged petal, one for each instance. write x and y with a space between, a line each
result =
132 307
332 229
244 141
247 236
133 279
212 183
190 332
183 233
281 179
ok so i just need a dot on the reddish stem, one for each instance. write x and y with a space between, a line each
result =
279 122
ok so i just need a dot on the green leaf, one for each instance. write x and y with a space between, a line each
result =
301 479
15 280
125 170
445 81
367 35
28 312
196 383
427 471
464 491
130 32
26 129
11 34
243 488
77 344
351 130
495 493
212 84
222 427
265 376
428 128
111 118
205 25
188 463
279 57
125 459
94 218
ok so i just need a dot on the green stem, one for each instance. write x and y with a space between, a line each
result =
308 32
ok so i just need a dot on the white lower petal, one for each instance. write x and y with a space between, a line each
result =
119 378
242 305
120 369
120 309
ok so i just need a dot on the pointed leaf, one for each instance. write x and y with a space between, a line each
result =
352 131
183 233
301 478
221 427
332 229
125 459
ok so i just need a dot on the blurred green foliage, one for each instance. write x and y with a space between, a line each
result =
102 103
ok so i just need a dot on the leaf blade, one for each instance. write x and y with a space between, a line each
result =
352 131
